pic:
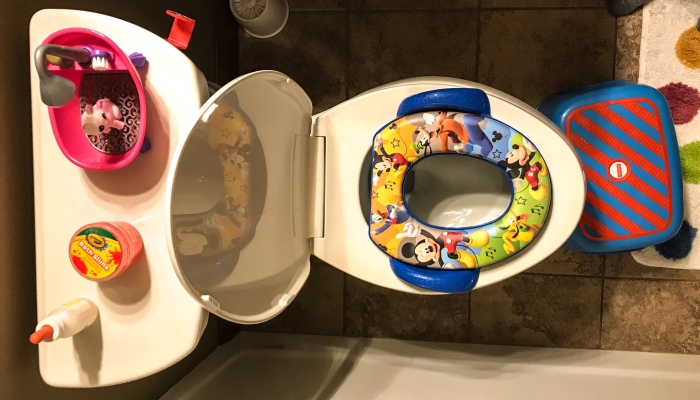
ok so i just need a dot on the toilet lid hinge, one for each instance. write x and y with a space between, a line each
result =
309 185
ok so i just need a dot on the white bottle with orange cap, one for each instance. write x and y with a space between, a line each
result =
65 321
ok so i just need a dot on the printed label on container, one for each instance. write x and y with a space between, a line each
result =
72 302
78 305
95 253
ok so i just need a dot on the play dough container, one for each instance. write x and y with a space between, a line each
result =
104 250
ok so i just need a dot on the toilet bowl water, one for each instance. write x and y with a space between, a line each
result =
438 191
442 194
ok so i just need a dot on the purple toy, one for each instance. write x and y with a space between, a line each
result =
138 59
99 59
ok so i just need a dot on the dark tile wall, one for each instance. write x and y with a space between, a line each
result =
378 312
387 46
529 48
538 310
531 54
312 49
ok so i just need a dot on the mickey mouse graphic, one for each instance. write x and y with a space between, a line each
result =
517 166
238 214
517 163
388 161
237 154
449 250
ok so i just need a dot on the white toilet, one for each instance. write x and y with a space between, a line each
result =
237 195
303 183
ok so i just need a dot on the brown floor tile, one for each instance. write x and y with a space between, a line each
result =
540 3
317 309
531 310
411 4
311 49
651 316
629 39
388 46
373 311
567 262
531 54
625 266
318 4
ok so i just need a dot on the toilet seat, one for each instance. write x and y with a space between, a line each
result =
415 136
518 220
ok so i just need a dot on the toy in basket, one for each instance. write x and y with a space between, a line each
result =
95 98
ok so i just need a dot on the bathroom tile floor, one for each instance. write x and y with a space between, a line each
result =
529 48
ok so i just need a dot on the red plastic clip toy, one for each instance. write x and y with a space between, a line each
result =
181 31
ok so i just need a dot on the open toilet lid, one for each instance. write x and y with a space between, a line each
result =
235 223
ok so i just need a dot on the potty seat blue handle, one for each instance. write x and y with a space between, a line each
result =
465 100
439 280
472 101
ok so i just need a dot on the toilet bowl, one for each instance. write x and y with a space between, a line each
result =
294 185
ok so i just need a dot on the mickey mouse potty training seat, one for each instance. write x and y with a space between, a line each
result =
416 246
260 184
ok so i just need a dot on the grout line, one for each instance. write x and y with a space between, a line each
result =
409 9
469 317
566 275
347 96
651 279
478 46
384 10
602 305
317 10
478 8
615 55
347 53
543 8
342 321
239 55
631 278
218 25
379 10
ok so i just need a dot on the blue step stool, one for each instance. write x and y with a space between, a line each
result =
626 142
